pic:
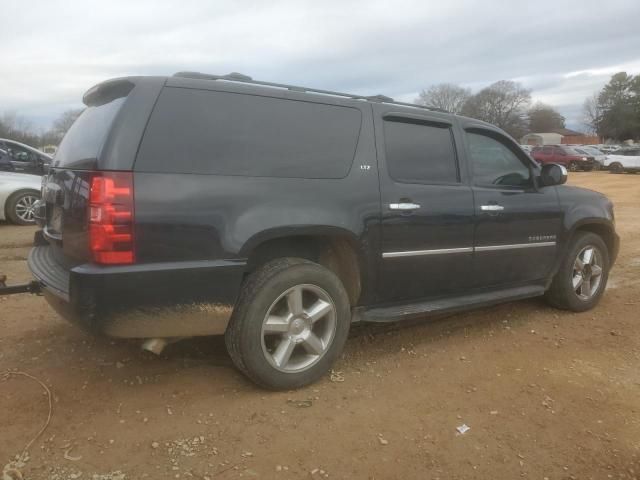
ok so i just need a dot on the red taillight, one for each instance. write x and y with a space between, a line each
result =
111 218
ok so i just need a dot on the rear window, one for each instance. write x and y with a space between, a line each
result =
81 145
206 132
631 153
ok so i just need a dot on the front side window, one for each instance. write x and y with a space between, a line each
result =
420 153
495 164
20 154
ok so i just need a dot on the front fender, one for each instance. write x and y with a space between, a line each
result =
587 210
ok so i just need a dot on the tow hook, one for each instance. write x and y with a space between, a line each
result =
31 287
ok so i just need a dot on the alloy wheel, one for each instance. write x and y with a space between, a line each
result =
587 272
25 208
298 328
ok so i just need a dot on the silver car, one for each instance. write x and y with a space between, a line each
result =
19 193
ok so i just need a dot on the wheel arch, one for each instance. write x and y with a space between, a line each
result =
334 248
601 227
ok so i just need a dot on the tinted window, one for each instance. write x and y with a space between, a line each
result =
20 154
495 164
87 135
559 151
200 131
418 153
547 150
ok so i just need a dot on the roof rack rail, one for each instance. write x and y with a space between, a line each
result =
241 78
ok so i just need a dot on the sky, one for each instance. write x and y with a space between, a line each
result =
564 51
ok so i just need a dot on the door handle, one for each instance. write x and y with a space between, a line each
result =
404 206
492 208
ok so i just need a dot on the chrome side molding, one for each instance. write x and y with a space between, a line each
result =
483 248
414 253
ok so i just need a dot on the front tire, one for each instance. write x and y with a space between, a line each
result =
583 274
573 166
616 167
290 324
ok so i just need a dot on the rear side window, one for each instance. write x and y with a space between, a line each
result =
87 135
420 153
201 131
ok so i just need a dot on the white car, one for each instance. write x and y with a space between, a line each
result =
624 161
19 193
597 155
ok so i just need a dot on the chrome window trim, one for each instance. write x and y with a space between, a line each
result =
491 248
484 248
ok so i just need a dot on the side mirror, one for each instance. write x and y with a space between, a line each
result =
553 174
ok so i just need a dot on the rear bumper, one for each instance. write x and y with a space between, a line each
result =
172 299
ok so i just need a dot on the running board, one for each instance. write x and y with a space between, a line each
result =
409 311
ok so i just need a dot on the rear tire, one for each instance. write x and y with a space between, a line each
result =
19 207
290 324
582 276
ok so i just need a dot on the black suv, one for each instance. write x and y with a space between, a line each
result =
279 215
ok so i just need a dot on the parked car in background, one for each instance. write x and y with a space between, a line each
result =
527 148
24 158
627 160
563 155
606 149
5 162
590 151
19 193
50 150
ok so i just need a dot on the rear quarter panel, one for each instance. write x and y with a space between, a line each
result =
183 216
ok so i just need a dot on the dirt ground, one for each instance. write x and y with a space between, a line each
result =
547 394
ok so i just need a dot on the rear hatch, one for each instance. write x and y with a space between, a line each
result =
66 189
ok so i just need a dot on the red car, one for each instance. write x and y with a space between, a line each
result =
564 155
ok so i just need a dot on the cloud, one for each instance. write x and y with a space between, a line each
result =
55 50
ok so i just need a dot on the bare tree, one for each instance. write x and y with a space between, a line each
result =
591 113
13 124
64 122
446 96
17 128
502 104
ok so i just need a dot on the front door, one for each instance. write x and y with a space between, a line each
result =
517 223
427 210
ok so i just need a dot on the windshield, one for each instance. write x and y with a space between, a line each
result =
590 151
573 151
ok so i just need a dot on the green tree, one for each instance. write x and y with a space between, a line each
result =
544 118
619 106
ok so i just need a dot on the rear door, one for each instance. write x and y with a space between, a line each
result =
427 209
545 155
517 223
